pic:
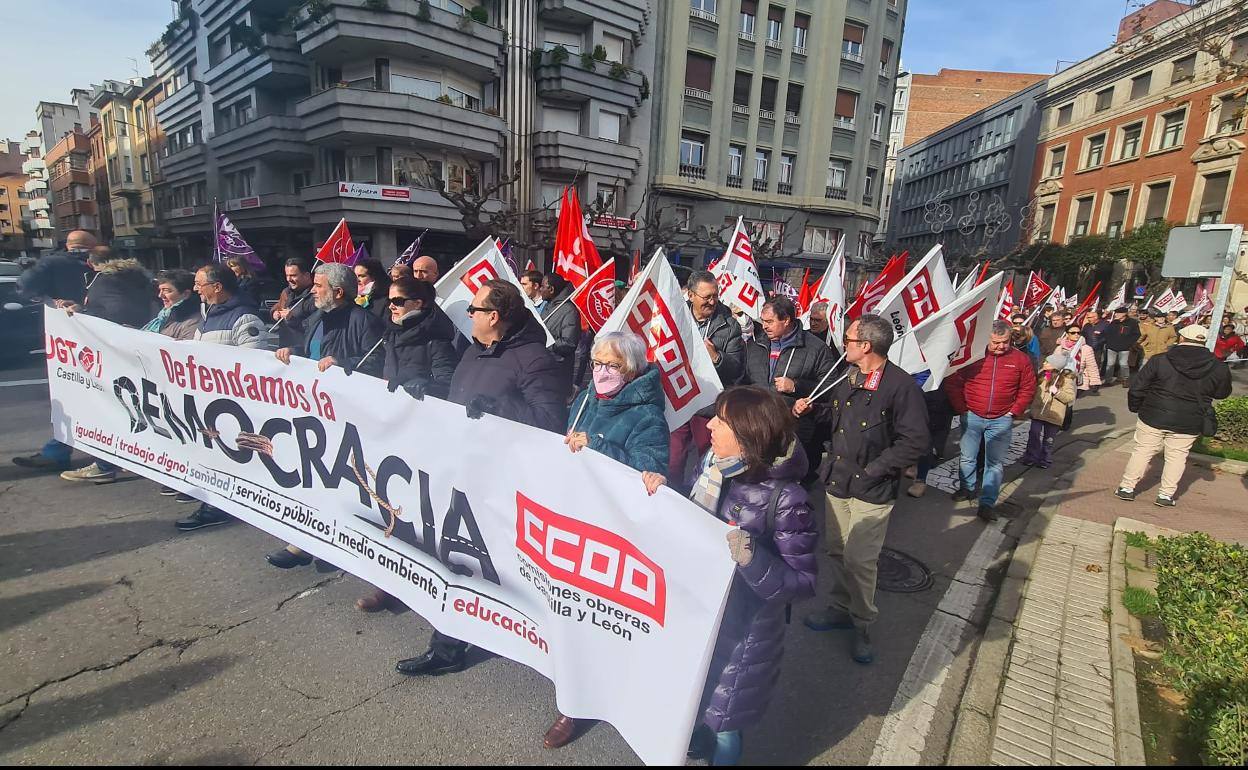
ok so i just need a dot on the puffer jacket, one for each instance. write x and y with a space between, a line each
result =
745 663
1121 336
1089 372
421 349
994 386
519 375
724 333
183 319
564 322
349 333
629 426
1173 390
1053 399
122 292
58 275
234 322
1155 340
805 359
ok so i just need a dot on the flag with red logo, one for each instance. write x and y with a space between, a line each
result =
737 274
655 310
460 284
1036 291
635 267
1005 305
529 265
1087 303
954 338
922 293
831 289
806 294
595 298
338 246
872 294
576 256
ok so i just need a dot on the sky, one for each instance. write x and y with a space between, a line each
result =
95 40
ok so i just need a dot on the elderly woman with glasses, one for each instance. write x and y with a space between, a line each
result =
1087 373
621 416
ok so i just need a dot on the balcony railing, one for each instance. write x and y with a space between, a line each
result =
800 50
854 57
836 193
734 181
766 115
740 109
784 188
697 93
746 36
698 13
774 44
843 122
692 172
760 185
868 199
792 118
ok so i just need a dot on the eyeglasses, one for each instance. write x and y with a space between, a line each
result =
851 339
706 297
199 285
400 301
1072 332
608 365
474 309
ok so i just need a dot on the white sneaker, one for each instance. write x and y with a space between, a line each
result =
917 489
90 473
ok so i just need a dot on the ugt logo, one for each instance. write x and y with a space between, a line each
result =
67 351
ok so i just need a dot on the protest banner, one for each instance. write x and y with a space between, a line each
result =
492 531
952 339
737 274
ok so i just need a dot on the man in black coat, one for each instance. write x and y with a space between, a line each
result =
1173 395
722 336
791 361
879 428
1120 336
509 373
564 322
61 276
294 304
340 332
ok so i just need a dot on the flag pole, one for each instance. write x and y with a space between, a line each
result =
292 307
360 363
579 412
826 376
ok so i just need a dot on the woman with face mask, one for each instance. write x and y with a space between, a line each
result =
619 415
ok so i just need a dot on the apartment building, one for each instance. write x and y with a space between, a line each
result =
13 208
777 111
71 190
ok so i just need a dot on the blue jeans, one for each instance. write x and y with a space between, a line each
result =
56 451
1121 358
727 748
996 435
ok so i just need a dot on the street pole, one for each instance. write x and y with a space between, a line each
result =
1224 285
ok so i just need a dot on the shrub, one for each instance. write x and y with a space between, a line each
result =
445 99
422 11
1233 419
558 55
587 61
600 53
480 15
1140 602
619 71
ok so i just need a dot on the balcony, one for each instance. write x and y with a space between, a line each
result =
692 172
41 223
792 119
746 37
572 153
774 44
697 93
273 210
350 32
35 165
784 188
382 206
868 199
759 185
120 187
39 204
184 165
733 181
836 193
740 109
189 219
799 50
631 15
345 116
33 186
843 123
278 65
271 137
766 115
163 53
41 243
568 81
69 179
31 143
854 57
180 106
707 16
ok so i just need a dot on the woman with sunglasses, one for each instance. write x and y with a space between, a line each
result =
1087 373
619 415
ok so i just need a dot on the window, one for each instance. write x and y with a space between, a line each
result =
693 150
616 47
235 114
362 168
684 218
793 100
425 89
138 118
801 32
741 86
381 74
1140 85
1064 114
877 121
736 158
557 37
460 177
1172 129
699 71
609 125
749 16
1129 141
846 107
238 184
1239 50
1158 202
761 159
1117 212
606 198
144 170
552 196
704 6
820 240
775 24
1044 232
851 42
868 186
557 119
1213 199
1183 69
1231 113
767 97
1057 161
1082 218
886 55
123 121
1104 99
838 173
901 99
1094 153
787 162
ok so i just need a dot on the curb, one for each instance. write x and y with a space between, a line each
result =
1220 464
1128 740
971 741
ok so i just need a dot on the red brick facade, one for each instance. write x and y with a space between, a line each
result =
945 98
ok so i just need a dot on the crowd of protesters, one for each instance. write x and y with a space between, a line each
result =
750 459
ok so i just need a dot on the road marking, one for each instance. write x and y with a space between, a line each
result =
904 735
16 383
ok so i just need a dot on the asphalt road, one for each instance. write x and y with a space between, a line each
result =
124 641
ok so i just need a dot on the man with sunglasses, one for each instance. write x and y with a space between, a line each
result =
508 372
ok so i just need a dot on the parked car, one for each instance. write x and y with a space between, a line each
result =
21 319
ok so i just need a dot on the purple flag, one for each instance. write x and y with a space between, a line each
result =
505 248
360 255
230 243
411 252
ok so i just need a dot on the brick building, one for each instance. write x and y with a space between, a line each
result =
936 101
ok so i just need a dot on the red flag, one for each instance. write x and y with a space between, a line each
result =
338 247
576 257
1036 291
529 265
595 298
806 294
636 266
1005 305
982 274
1087 302
871 295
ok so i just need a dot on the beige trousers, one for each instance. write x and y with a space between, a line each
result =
856 532
1148 442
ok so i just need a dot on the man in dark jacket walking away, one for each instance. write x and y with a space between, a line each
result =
508 372
1120 337
722 337
990 394
61 276
294 304
791 361
879 428
1173 394
564 322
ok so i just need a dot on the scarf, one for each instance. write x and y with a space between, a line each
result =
709 486
156 323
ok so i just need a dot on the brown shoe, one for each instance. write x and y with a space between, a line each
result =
373 602
560 733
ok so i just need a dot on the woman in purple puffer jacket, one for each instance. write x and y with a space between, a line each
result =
752 479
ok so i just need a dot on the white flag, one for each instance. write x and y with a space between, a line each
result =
737 275
461 283
953 338
1119 300
655 310
831 289
923 293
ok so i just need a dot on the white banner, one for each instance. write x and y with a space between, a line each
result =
492 531
655 310
831 289
737 274
1119 300
923 293
952 339
461 283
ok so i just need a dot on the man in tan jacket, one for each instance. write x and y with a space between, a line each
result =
1156 336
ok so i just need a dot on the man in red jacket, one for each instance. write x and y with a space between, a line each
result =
990 394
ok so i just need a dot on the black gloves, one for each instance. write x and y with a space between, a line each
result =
479 406
347 367
417 389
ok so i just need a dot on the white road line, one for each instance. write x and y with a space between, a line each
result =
904 735
16 383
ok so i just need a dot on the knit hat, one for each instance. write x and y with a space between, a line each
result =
1056 360
1194 333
